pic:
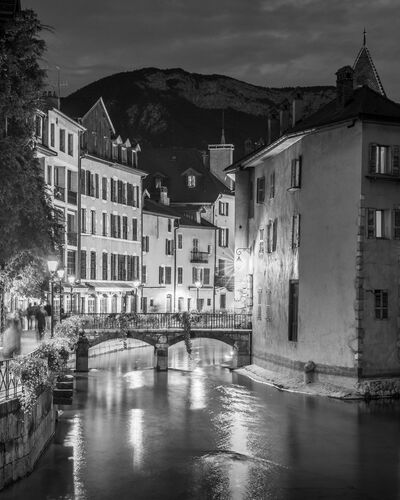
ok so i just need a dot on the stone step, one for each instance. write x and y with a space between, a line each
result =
62 401
65 385
62 393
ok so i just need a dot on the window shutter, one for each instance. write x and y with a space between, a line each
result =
298 230
395 161
370 223
161 275
275 234
396 224
83 179
300 166
166 247
118 226
168 275
194 274
206 276
144 276
372 158
227 209
97 185
293 173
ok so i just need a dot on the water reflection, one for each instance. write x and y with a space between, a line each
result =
205 432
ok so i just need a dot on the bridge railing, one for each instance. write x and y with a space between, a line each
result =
10 385
165 321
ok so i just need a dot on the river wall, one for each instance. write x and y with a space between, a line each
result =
23 438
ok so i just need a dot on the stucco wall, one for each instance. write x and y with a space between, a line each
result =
328 203
380 353
23 438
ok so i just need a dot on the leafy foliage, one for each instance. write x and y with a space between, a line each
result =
69 329
26 215
33 374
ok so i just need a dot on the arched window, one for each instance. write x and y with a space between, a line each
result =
114 304
91 304
103 304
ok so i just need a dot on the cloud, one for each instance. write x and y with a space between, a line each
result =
274 42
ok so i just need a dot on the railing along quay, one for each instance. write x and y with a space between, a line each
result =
10 385
166 321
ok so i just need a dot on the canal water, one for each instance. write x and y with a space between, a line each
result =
201 431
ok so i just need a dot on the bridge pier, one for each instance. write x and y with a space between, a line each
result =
241 354
161 354
82 354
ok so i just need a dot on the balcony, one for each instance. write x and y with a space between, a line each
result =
72 197
222 281
72 239
200 257
59 193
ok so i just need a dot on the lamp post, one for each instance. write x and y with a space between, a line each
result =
60 274
71 280
136 285
198 284
52 264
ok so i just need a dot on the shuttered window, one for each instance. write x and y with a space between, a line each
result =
125 228
83 264
295 174
180 275
296 231
161 275
134 230
168 275
260 189
92 265
113 266
384 159
104 188
381 304
206 276
396 224
105 267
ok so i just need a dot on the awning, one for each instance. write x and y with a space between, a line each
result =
110 286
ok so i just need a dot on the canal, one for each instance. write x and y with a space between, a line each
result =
200 431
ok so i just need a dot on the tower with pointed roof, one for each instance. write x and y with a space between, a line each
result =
365 72
221 156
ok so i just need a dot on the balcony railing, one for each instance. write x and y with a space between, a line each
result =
72 239
227 282
196 256
72 197
59 193
166 321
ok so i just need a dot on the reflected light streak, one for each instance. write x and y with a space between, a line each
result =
75 439
135 379
197 394
136 436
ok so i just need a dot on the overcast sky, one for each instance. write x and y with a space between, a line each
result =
265 42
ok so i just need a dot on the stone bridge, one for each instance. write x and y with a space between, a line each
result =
164 330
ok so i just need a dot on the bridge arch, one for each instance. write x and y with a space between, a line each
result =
99 337
203 335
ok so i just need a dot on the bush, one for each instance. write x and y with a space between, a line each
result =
69 329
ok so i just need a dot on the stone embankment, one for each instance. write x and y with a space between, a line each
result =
23 438
298 383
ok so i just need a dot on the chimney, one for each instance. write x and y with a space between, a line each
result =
273 128
297 108
50 99
164 199
204 158
283 117
344 85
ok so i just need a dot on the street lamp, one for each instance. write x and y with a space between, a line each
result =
60 274
71 280
136 285
52 264
198 284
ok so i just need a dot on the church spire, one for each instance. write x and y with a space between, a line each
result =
365 72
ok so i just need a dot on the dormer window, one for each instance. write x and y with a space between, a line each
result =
38 127
157 182
115 151
191 181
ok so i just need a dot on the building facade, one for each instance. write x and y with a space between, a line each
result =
317 239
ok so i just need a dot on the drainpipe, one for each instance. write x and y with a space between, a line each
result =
141 239
215 256
79 246
175 278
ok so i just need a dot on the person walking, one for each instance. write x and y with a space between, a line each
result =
29 315
47 308
41 321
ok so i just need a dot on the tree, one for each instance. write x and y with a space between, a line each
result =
27 221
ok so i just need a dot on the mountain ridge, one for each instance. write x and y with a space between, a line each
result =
172 107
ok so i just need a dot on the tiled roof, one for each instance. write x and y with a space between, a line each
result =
365 103
365 72
172 163
153 207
